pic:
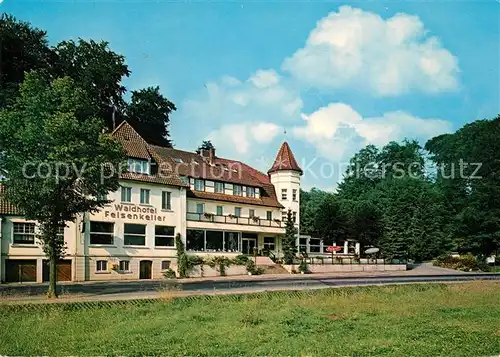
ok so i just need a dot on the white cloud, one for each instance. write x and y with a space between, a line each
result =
359 49
337 131
243 137
241 115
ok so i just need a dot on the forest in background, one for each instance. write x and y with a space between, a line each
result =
416 202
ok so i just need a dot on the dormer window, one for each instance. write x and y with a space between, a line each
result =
199 185
250 192
138 166
237 190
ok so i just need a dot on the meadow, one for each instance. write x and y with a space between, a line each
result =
402 320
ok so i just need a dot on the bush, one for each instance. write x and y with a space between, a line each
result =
463 262
240 260
169 274
252 268
303 266
219 263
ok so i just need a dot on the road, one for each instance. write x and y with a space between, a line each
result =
156 288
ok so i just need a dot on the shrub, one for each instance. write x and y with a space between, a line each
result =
219 263
169 274
465 262
240 260
303 266
252 268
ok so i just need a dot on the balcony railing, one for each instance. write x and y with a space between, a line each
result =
249 221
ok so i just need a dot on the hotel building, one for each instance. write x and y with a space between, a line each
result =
217 206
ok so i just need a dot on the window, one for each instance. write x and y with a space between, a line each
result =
284 216
237 211
195 240
231 240
101 233
294 217
283 193
219 187
237 190
199 185
314 245
269 243
200 208
24 233
135 234
164 236
178 160
126 194
165 264
294 195
166 200
185 179
251 213
269 215
124 265
303 245
214 241
145 196
220 210
138 166
250 192
101 265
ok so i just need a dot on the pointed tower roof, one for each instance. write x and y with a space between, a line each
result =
285 160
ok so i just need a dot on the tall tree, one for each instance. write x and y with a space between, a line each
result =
289 245
97 70
366 223
149 113
309 205
469 176
22 48
362 174
55 168
331 220
205 145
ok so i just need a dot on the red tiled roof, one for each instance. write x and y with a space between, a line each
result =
285 160
135 146
264 200
6 207
173 163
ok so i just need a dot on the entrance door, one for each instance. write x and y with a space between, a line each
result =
247 245
145 267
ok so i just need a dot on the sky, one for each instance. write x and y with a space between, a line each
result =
329 77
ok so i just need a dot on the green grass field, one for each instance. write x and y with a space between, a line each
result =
404 320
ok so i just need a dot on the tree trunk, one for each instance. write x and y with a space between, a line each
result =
52 293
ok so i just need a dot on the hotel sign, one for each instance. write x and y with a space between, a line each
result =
135 212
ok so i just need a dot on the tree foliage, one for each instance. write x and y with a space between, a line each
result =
205 145
55 168
149 113
23 48
468 174
289 239
97 70
94 68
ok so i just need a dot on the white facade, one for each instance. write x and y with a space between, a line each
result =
287 186
133 237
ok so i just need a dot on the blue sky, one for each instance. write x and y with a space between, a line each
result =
335 75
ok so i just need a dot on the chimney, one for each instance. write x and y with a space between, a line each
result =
209 155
